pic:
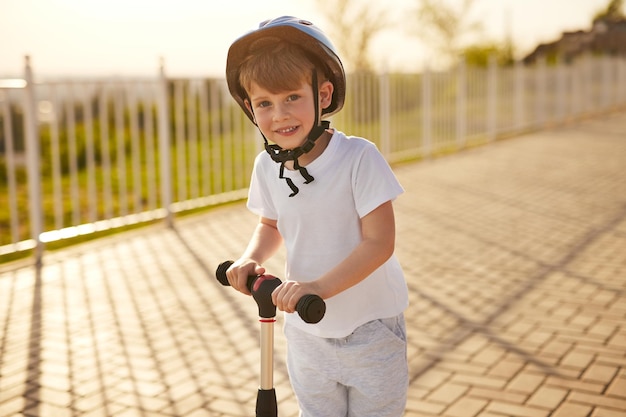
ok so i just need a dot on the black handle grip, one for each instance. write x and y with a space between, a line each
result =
220 273
310 307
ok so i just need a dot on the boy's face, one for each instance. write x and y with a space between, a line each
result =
286 118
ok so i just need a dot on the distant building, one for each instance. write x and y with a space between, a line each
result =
606 37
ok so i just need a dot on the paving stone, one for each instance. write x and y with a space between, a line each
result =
516 409
599 373
572 410
447 393
577 359
598 400
525 382
507 367
546 397
466 407
605 412
618 387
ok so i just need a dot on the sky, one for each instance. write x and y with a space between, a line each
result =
85 38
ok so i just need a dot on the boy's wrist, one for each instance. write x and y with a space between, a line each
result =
320 288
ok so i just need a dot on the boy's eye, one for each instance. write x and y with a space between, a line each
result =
293 97
263 104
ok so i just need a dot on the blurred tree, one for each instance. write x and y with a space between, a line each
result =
478 55
442 27
353 24
613 12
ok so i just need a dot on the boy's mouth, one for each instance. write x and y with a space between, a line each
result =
286 130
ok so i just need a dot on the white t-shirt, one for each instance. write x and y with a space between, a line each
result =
320 227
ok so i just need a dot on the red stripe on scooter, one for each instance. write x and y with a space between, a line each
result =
267 320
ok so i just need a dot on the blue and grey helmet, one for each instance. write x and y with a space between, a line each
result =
298 31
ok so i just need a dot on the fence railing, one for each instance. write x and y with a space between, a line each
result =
82 156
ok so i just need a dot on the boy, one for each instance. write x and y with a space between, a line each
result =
328 198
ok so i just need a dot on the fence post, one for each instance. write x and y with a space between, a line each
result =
385 111
540 93
561 91
621 82
461 104
165 156
492 98
575 88
519 94
607 84
33 162
426 113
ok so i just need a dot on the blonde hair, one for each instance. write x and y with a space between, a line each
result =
276 66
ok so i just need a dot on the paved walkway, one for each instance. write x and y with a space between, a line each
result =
515 256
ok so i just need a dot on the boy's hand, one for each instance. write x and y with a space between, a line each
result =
239 272
286 296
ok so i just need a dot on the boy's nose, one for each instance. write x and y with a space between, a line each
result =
280 112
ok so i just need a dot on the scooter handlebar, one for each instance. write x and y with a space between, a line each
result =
310 307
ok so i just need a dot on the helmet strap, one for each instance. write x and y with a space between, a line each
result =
281 155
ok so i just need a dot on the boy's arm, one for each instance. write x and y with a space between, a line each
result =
376 247
265 241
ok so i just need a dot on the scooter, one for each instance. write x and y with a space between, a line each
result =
311 309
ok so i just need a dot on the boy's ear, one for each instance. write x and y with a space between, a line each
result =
325 92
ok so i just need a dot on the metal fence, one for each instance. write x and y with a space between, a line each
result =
83 156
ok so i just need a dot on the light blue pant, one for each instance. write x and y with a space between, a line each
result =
362 375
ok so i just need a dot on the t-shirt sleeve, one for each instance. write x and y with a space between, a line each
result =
374 182
259 198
